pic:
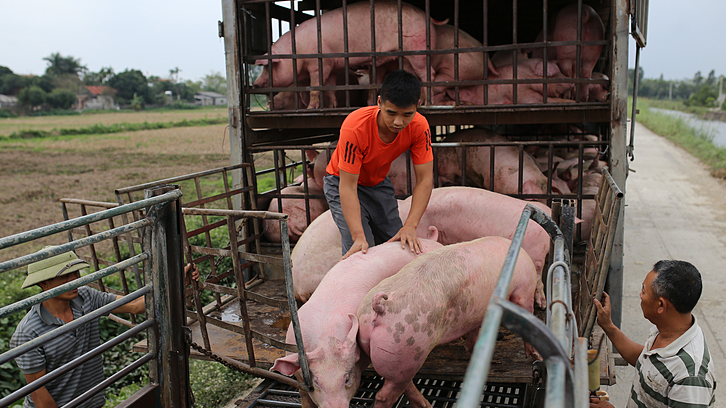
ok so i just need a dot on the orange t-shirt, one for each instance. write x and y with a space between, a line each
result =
361 151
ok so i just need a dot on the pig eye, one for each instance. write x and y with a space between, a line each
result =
348 380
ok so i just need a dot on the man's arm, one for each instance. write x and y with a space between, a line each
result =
627 348
41 396
350 204
137 306
419 201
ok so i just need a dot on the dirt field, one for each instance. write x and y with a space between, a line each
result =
36 173
48 123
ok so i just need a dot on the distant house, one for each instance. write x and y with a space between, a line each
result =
96 97
8 101
207 98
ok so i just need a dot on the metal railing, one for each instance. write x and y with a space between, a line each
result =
566 387
160 287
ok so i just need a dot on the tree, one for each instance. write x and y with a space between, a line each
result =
61 99
130 84
711 80
698 78
59 65
98 78
32 97
215 82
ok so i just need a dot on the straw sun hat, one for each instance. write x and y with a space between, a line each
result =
58 265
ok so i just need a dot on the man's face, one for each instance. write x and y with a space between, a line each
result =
60 280
648 302
395 118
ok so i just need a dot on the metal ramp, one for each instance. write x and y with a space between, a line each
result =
440 393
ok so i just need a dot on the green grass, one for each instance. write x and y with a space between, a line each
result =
672 105
100 129
697 142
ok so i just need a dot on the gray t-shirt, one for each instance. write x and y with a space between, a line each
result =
64 348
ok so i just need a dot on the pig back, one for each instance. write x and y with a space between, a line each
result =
443 294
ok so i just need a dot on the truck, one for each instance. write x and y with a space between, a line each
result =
538 114
300 113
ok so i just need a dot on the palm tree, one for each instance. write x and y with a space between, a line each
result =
59 65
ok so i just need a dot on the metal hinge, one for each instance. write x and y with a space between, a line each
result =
220 27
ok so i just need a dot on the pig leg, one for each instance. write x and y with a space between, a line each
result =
391 390
315 81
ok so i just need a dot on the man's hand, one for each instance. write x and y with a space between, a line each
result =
190 272
604 312
597 403
407 235
360 244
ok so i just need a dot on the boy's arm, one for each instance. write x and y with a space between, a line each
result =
419 201
41 396
627 348
350 204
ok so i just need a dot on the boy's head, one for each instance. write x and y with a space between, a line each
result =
401 88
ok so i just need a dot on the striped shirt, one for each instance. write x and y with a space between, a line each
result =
64 348
678 375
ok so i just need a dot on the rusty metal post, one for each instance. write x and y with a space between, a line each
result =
171 358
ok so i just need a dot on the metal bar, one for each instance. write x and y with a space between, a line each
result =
481 356
555 393
41 232
47 253
171 359
303 359
110 380
42 381
273 260
12 354
217 197
636 83
263 215
172 180
43 296
100 204
239 277
582 395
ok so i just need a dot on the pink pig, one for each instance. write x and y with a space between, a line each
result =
414 24
479 169
295 209
565 29
435 299
465 213
471 64
503 94
329 325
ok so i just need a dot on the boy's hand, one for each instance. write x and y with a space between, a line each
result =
360 244
407 235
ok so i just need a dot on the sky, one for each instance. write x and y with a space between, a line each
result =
155 36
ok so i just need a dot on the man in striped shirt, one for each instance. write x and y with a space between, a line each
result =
674 367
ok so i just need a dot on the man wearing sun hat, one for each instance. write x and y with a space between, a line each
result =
50 315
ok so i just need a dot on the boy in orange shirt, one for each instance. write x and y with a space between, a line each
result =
360 196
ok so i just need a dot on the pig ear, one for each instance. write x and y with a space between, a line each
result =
353 332
491 67
351 341
311 154
287 365
262 61
433 233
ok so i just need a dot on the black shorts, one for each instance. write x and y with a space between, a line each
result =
378 211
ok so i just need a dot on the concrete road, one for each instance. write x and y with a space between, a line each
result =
674 210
